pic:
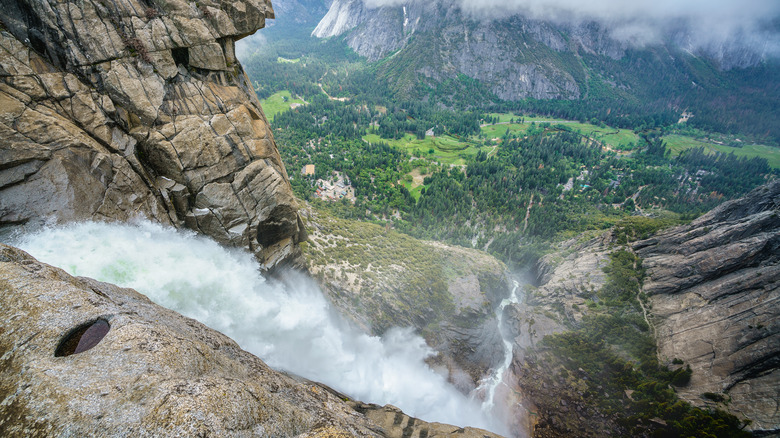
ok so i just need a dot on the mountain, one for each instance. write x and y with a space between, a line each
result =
516 56
420 46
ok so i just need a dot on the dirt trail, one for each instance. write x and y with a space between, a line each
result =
528 213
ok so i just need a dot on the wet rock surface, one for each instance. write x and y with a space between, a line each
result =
154 372
110 111
714 286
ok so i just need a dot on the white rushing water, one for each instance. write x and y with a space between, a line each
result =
290 326
497 378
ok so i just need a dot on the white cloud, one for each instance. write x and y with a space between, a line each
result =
707 22
248 46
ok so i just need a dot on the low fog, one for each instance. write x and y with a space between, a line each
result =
704 23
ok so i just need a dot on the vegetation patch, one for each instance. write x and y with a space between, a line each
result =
444 149
612 358
279 102
678 143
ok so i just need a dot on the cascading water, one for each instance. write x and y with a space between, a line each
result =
490 384
290 325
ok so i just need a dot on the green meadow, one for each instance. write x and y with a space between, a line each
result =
276 103
613 137
678 143
446 149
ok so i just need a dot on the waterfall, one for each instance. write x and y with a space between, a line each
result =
490 384
289 325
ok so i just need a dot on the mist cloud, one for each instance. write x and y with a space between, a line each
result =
250 45
704 23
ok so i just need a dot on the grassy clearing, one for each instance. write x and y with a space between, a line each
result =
451 150
414 190
498 131
446 149
679 143
613 137
289 61
504 117
415 185
276 103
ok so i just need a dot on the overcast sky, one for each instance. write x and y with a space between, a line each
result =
644 21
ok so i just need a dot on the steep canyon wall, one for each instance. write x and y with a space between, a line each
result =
112 110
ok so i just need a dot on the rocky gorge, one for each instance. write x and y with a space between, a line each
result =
136 110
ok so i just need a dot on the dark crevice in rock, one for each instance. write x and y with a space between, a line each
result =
181 56
83 338
281 223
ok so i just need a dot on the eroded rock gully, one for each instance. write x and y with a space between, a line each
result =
111 110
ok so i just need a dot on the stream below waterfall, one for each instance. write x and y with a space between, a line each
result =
492 382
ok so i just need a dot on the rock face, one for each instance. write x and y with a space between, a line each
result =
440 42
514 56
565 280
153 372
381 279
715 292
110 111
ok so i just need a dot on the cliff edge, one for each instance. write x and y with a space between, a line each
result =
139 108
714 287
79 357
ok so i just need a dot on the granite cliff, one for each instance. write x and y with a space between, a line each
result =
516 56
714 287
440 42
134 108
712 304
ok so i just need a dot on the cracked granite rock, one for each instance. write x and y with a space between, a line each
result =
714 295
134 108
